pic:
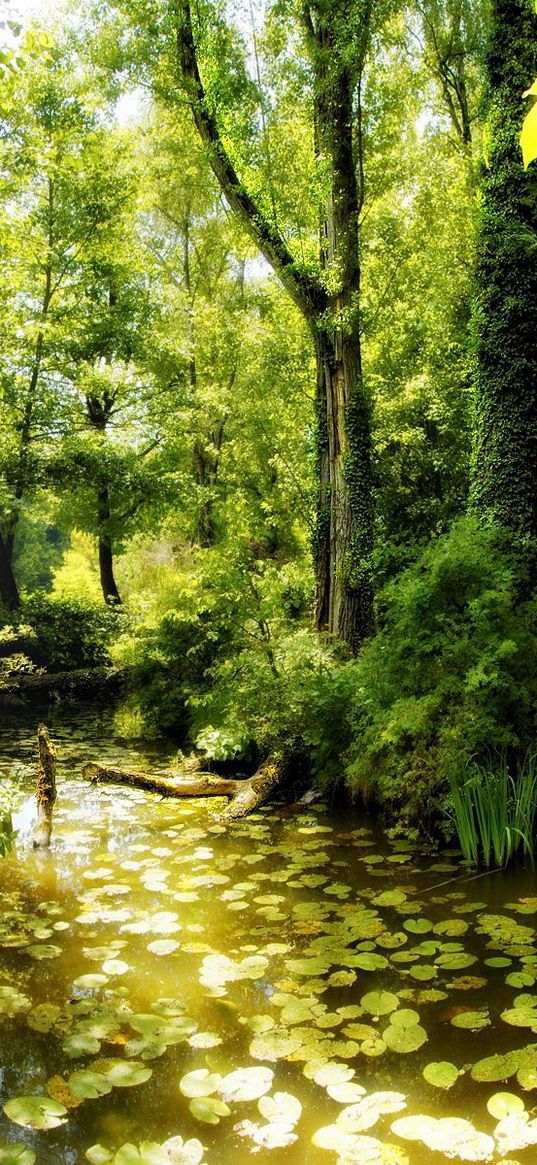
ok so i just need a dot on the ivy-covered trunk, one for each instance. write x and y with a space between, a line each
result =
504 470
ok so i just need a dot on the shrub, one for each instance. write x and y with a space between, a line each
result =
451 675
67 633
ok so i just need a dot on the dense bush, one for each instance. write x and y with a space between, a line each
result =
452 674
65 634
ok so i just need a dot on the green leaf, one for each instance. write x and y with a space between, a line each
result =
441 1074
36 1112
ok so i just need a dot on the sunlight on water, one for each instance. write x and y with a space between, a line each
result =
295 986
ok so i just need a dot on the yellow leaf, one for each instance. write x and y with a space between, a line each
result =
528 137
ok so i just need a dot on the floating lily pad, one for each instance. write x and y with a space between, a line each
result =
16 1155
208 1109
441 1074
404 1039
246 1084
471 1020
36 1112
148 1153
379 1002
504 1104
282 1107
201 1082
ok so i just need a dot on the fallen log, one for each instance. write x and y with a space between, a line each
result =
46 788
244 795
97 683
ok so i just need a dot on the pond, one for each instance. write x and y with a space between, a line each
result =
295 986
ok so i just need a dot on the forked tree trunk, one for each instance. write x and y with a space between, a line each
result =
337 37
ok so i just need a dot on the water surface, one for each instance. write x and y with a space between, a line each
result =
325 964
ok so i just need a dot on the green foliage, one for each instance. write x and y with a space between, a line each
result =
451 674
65 634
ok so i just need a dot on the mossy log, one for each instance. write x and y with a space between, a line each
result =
244 795
46 788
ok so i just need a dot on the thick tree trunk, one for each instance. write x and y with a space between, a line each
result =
109 588
244 795
46 789
345 506
504 469
9 592
344 536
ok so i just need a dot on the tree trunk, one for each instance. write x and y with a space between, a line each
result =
504 468
344 535
46 789
109 588
244 795
9 592
345 499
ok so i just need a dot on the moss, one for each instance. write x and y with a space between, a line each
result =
504 470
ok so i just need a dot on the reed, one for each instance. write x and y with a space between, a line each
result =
494 812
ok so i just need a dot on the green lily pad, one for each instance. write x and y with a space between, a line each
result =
148 1153
208 1109
201 1082
404 1039
471 1020
35 1112
496 1067
122 1073
504 1104
379 1002
16 1155
283 1107
441 1074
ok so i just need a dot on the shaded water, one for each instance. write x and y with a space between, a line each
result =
300 945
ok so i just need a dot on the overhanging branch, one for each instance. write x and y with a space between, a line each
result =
307 292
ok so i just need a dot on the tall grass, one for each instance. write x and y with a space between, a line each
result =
495 812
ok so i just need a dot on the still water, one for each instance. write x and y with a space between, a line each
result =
296 986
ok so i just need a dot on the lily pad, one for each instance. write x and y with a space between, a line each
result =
36 1112
246 1084
208 1109
504 1104
379 1002
441 1074
16 1155
201 1082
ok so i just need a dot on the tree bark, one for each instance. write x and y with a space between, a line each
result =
9 592
504 466
244 795
46 789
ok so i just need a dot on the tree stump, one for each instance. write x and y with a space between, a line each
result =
46 788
